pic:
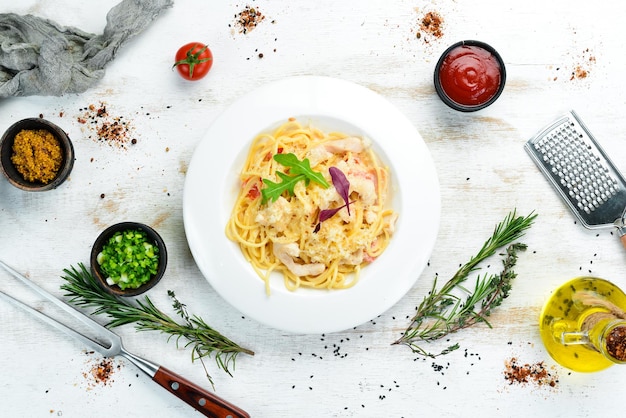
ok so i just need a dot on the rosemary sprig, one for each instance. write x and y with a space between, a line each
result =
205 341
442 311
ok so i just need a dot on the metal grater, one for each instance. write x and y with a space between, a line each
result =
569 156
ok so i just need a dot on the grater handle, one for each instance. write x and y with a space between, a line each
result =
621 230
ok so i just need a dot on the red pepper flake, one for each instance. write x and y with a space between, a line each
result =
248 19
100 371
254 193
116 131
537 373
431 24
583 67
616 343
579 72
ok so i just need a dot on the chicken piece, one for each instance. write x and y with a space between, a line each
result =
318 154
351 144
370 216
391 223
286 254
364 184
326 150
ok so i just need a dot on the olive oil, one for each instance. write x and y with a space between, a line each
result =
573 323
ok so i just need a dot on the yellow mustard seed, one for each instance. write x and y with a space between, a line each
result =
37 155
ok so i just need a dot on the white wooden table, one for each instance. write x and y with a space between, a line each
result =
483 172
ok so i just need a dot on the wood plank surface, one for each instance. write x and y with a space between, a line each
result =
483 172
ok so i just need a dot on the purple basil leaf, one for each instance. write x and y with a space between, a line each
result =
328 213
342 185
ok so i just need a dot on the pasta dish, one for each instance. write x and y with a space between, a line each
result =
312 206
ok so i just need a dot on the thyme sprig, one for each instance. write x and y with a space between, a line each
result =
83 291
443 311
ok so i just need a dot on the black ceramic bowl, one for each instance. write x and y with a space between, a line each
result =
482 62
103 238
6 151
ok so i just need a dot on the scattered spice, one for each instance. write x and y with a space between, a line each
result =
245 21
116 131
580 67
583 67
100 370
37 155
616 343
537 373
432 25
248 19
579 72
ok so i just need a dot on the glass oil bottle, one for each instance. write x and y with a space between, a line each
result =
583 325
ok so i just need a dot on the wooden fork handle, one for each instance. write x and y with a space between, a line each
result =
207 403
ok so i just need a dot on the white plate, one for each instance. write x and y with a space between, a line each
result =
212 183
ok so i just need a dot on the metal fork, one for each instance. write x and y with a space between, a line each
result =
109 344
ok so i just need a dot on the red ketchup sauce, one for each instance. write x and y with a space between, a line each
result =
470 75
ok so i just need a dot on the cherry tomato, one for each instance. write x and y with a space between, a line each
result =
193 60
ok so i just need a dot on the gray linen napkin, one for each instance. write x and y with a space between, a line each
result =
40 57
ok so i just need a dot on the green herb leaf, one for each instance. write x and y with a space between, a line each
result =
301 167
83 291
274 190
443 311
298 171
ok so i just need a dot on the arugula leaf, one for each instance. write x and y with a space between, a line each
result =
274 190
298 171
301 167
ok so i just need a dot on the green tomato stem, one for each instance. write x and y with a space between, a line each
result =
192 59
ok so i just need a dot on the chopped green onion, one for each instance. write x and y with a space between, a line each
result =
128 259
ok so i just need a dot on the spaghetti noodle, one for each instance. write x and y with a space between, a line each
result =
285 235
